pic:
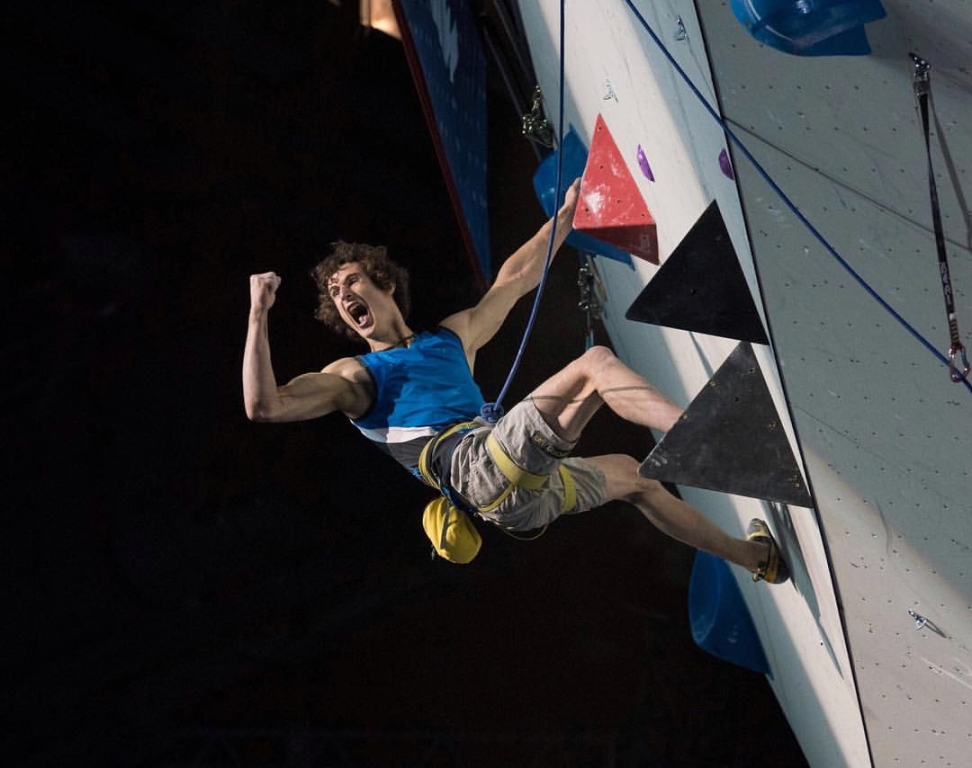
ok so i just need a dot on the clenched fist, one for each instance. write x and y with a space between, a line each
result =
263 290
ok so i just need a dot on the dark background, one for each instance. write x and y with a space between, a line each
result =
189 588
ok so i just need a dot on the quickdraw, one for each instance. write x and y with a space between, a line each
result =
958 363
534 125
589 302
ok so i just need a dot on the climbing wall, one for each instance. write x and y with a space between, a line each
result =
886 433
869 646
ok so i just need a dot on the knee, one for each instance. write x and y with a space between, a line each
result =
651 487
598 354
626 482
645 490
640 490
596 358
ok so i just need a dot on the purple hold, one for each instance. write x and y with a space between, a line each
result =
643 164
726 165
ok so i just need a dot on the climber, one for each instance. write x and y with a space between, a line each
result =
414 395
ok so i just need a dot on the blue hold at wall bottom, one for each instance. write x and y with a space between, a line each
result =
720 620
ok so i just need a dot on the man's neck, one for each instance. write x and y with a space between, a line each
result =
402 337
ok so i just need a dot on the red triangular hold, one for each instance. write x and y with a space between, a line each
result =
611 207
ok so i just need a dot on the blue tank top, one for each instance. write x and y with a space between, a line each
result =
419 390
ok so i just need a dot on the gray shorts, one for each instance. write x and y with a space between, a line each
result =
535 447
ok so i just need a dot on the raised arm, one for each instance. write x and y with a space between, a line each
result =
306 397
519 275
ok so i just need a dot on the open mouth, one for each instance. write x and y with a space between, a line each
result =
358 314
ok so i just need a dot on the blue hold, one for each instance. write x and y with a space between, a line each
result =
545 185
810 27
721 624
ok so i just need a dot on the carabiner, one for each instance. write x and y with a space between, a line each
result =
957 357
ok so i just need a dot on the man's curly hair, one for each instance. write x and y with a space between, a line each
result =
374 260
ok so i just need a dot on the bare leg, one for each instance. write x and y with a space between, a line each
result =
569 398
675 517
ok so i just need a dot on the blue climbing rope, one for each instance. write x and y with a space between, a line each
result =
491 412
786 200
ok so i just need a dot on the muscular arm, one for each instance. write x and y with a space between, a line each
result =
519 275
307 396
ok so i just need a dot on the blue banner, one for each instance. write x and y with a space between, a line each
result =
449 66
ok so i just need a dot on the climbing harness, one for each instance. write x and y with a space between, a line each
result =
520 478
785 198
958 363
447 519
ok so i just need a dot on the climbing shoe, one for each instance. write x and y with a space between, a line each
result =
772 570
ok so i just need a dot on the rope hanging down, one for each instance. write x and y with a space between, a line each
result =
958 363
491 412
786 200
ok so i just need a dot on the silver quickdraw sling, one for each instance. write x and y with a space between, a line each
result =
958 363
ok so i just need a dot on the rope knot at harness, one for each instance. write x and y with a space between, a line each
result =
491 412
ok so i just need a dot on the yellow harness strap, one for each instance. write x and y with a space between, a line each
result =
426 454
570 489
522 479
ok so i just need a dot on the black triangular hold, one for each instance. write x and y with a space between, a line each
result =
730 439
701 287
